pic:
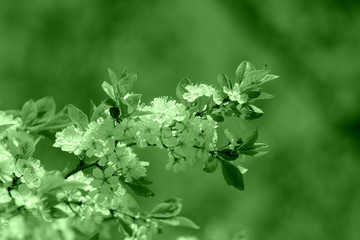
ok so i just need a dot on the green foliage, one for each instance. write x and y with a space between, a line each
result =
78 117
242 70
232 175
167 209
181 89
99 188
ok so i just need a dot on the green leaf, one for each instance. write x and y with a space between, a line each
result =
253 78
109 90
140 189
186 222
123 85
145 181
53 182
58 213
45 109
78 117
242 70
132 100
110 102
223 81
217 118
123 107
112 76
138 113
254 94
4 127
232 175
180 89
95 237
128 204
26 146
50 200
253 112
180 221
268 78
21 145
228 154
253 153
211 165
126 225
265 95
29 112
99 111
202 103
59 121
250 141
167 209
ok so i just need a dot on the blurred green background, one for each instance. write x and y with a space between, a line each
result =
306 188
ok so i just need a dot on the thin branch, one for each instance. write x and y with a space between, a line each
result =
79 168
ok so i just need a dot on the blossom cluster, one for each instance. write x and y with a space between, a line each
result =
47 204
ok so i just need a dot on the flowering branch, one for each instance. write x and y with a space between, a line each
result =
187 129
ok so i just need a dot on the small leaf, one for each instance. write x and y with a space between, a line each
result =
4 127
253 112
26 147
243 69
132 100
228 154
128 204
109 90
253 153
180 88
140 189
112 76
138 113
58 213
99 111
223 81
45 109
144 181
78 117
202 103
232 175
169 208
123 85
186 222
21 145
29 112
59 121
253 78
49 200
95 237
264 95
268 78
254 94
211 165
180 222
250 141
217 115
126 225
